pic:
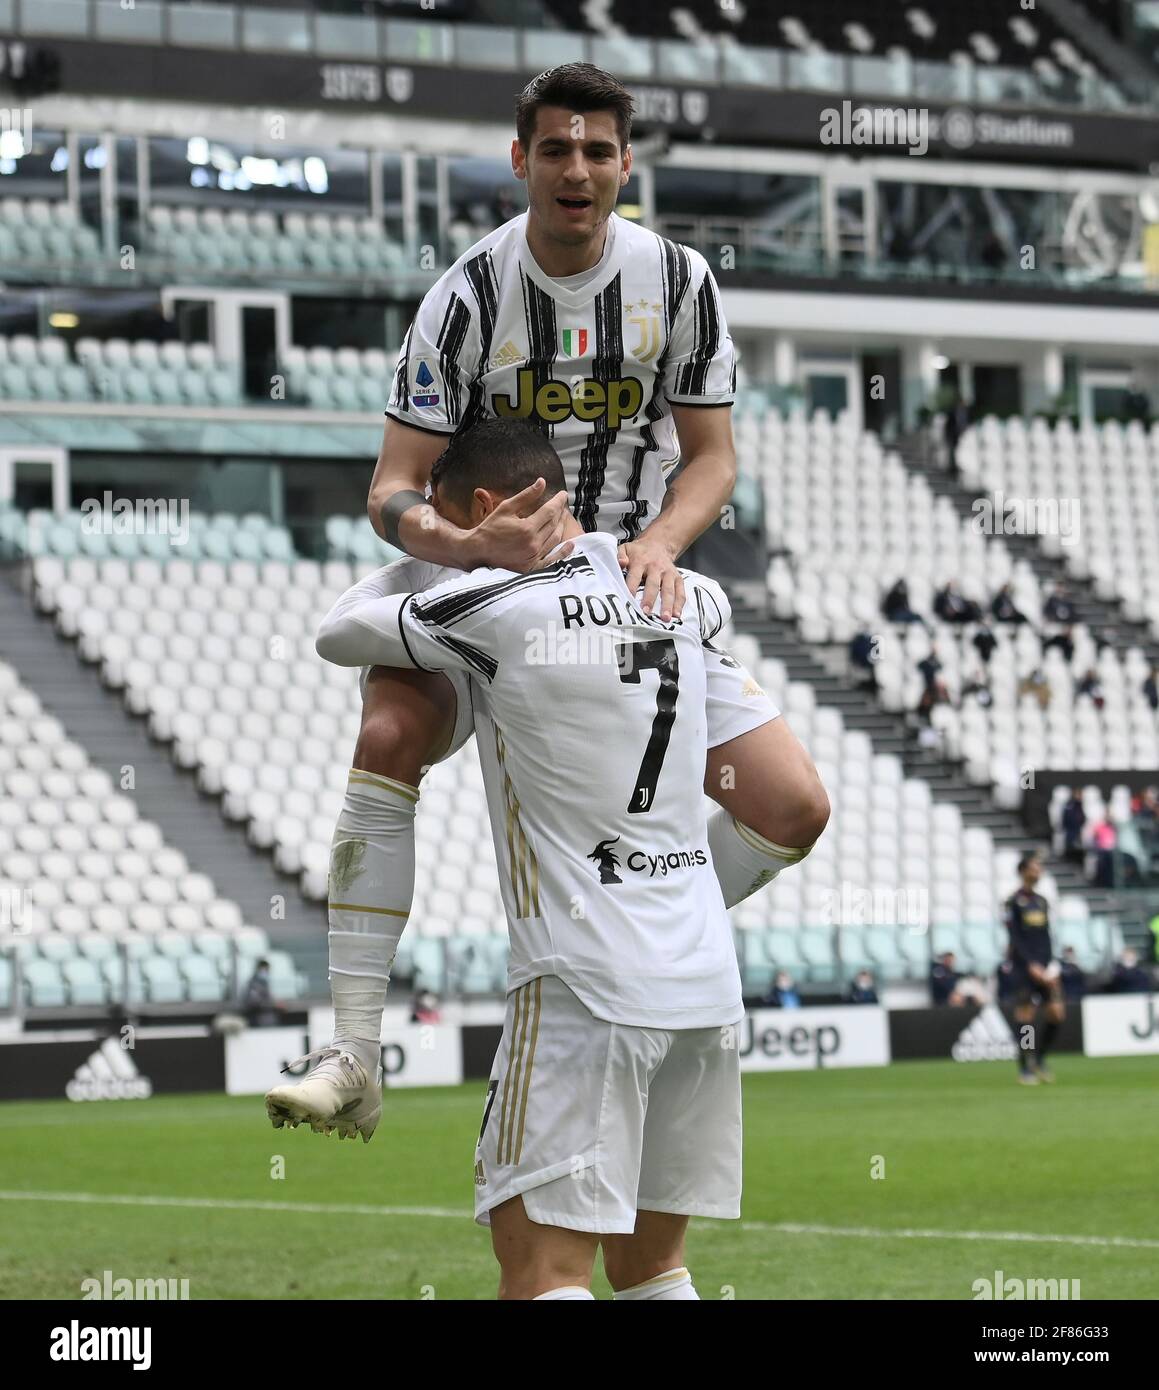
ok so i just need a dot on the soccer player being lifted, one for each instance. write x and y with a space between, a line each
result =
1037 975
611 341
613 1111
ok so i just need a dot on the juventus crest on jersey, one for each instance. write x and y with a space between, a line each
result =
596 367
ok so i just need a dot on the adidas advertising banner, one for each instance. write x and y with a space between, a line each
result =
100 1067
413 1054
1121 1025
796 1039
968 1034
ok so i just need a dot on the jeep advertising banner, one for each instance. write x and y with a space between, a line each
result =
796 1039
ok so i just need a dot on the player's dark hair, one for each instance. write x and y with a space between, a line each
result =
503 456
1030 858
577 87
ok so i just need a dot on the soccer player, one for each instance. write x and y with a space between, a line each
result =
611 341
613 1110
1037 977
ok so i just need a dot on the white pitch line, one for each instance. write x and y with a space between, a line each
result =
793 1228
785 1228
98 1199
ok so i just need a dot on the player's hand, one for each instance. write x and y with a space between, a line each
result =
1036 972
522 530
651 563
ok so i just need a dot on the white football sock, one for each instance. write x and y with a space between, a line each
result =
745 861
372 875
672 1284
568 1291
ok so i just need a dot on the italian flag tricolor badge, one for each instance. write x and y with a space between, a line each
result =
575 342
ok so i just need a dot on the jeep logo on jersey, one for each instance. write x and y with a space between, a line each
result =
641 862
424 379
574 341
619 399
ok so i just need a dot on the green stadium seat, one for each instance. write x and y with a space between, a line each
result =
43 985
84 982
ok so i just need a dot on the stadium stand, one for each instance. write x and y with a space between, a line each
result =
850 520
105 912
190 648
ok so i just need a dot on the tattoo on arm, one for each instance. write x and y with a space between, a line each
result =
396 504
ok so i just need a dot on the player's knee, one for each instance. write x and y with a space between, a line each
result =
402 734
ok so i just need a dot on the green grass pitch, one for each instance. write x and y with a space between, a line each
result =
967 1154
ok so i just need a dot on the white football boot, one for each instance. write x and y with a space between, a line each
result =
339 1094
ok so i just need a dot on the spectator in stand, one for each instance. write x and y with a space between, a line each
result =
985 641
783 994
1058 608
1092 687
1063 640
1102 839
935 692
1128 976
258 1003
952 607
1074 979
1072 821
425 1008
956 424
863 655
950 988
861 991
1003 607
1037 685
896 605
979 687
1151 688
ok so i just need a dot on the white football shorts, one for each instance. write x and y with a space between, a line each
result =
735 702
592 1121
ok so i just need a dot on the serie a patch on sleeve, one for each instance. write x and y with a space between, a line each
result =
424 394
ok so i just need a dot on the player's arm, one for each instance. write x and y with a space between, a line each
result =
517 535
427 631
699 384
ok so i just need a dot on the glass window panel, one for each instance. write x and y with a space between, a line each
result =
418 42
878 76
33 163
346 36
68 18
219 173
753 67
543 50
140 24
687 62
623 56
276 31
483 194
202 26
815 72
6 10
943 81
486 45
392 195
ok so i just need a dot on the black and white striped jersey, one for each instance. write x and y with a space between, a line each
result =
592 728
596 367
